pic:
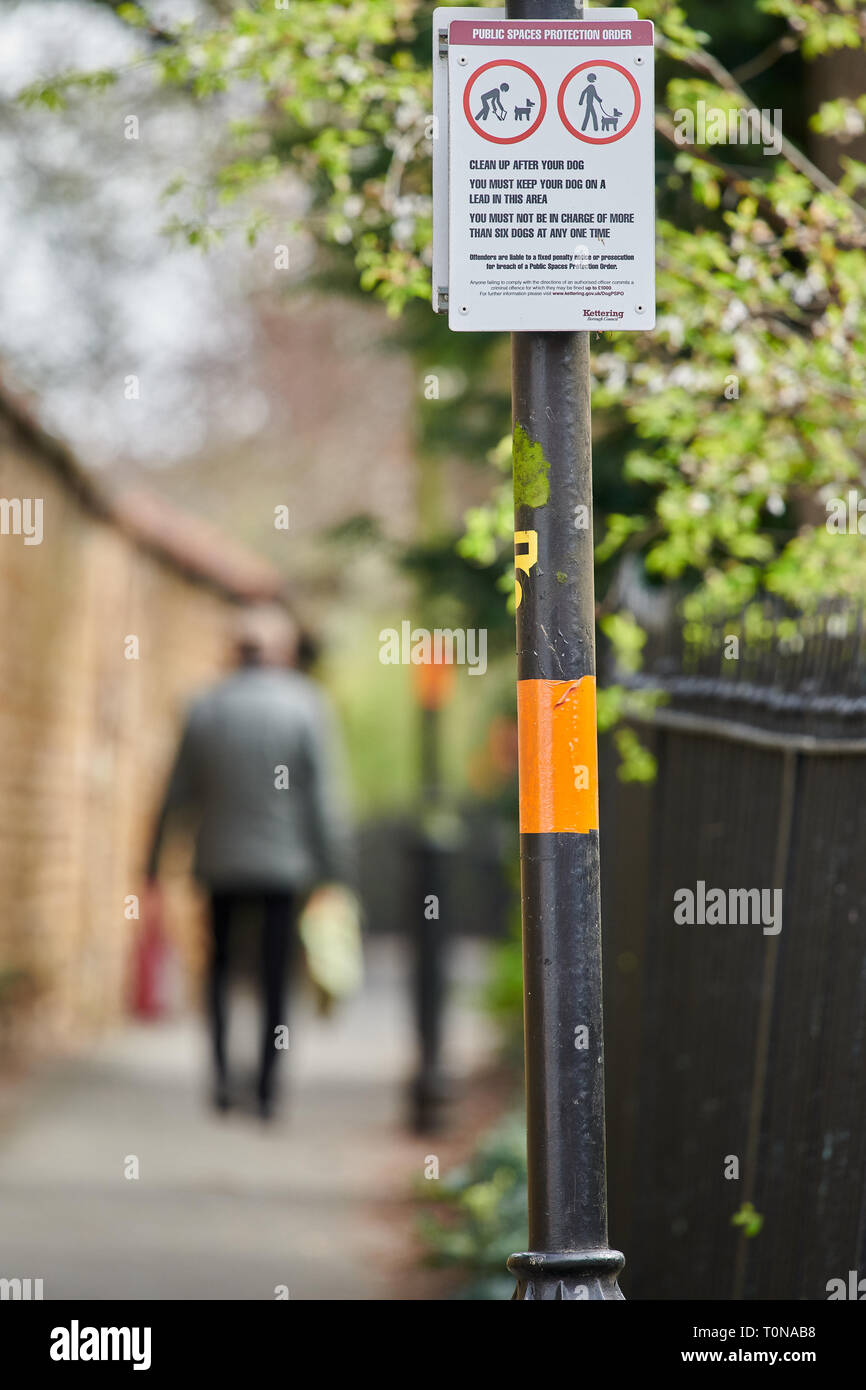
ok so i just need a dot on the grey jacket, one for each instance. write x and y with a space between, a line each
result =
242 741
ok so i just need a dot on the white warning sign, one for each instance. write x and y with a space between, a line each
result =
551 187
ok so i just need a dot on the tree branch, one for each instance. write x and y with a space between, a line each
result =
771 54
710 67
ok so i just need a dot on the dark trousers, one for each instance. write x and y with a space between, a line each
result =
274 910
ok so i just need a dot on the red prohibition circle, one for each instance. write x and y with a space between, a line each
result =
542 105
560 102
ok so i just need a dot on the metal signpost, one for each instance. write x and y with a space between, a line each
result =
543 226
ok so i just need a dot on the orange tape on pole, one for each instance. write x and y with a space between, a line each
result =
557 755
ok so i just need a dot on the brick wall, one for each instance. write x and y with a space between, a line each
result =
86 736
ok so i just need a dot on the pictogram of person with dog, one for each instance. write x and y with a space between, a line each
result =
591 99
492 104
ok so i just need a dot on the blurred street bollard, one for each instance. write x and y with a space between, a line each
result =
428 909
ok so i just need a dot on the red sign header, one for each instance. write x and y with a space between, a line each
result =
550 33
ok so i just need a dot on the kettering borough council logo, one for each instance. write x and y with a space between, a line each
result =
504 101
599 101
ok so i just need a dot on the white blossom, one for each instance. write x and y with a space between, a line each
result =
733 316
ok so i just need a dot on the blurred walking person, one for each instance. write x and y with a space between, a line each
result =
255 769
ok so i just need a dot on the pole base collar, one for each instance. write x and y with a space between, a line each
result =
567 1274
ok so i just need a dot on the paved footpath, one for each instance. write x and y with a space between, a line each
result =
224 1207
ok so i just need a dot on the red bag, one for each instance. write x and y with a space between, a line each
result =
151 959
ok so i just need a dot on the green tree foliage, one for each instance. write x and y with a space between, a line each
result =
478 1213
725 430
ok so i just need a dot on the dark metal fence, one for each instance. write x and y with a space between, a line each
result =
723 1041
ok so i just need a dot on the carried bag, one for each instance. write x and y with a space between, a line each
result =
330 931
